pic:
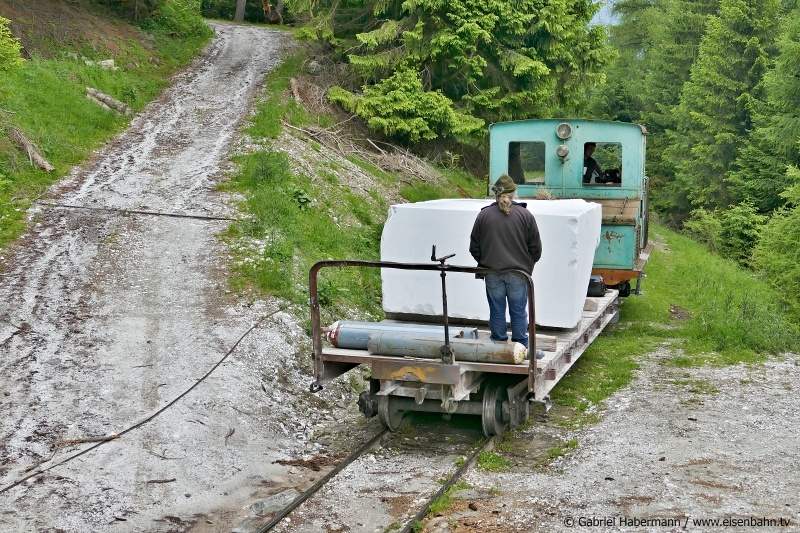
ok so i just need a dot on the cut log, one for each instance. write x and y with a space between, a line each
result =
108 101
100 103
294 86
34 156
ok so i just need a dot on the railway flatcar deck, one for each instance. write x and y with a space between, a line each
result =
436 380
561 348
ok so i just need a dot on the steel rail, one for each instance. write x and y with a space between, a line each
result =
313 489
423 512
419 515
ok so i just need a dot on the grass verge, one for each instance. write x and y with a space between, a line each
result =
707 309
45 98
562 449
297 219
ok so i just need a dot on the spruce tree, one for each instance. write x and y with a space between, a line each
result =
486 60
761 173
632 38
676 40
714 113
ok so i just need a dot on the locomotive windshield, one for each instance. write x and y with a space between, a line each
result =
602 164
526 162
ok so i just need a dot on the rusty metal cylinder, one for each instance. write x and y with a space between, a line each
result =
404 344
354 334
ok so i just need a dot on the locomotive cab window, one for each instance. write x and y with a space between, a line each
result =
526 162
602 164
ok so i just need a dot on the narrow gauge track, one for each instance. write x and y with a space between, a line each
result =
407 523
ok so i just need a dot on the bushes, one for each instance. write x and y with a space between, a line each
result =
739 229
777 255
179 18
9 47
400 107
705 227
732 233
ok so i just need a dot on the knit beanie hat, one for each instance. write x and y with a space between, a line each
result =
504 185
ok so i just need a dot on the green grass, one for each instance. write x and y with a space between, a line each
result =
277 106
385 178
443 503
697 386
300 220
492 461
562 449
457 184
45 99
288 212
734 318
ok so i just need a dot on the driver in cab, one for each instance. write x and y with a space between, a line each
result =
592 173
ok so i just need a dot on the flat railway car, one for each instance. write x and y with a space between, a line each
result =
500 393
454 368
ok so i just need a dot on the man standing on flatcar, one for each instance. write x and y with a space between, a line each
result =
505 236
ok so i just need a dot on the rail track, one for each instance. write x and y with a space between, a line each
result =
414 513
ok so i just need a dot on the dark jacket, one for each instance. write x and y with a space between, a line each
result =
500 241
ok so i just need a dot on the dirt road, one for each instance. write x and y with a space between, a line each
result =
105 317
677 450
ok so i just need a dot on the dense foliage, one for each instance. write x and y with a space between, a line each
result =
399 106
179 18
479 60
9 47
714 113
716 83
777 254
761 170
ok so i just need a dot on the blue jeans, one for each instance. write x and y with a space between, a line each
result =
500 287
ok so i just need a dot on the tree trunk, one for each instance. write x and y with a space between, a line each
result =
33 153
240 5
108 101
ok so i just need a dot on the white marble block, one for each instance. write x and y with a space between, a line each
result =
570 232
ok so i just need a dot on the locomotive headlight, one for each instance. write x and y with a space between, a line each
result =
563 131
562 151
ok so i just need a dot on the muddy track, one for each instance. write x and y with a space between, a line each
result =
104 317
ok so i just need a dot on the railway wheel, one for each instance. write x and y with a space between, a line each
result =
493 420
389 416
624 289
